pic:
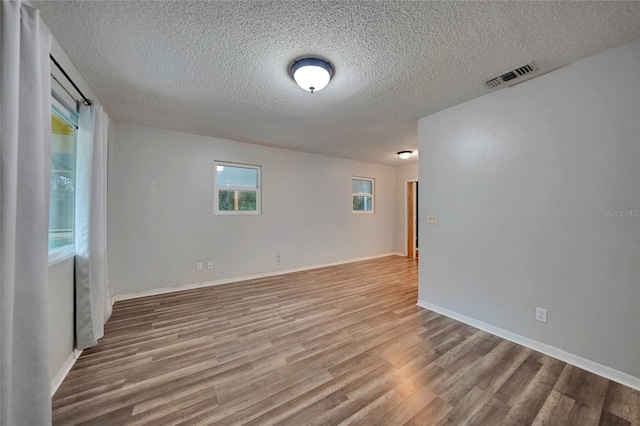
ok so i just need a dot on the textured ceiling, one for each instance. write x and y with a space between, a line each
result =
220 68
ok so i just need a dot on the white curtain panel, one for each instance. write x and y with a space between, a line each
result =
93 291
25 127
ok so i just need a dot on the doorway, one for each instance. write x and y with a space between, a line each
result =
412 219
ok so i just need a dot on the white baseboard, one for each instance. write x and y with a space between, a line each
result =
190 286
576 360
64 370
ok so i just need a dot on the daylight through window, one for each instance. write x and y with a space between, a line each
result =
237 188
62 181
362 194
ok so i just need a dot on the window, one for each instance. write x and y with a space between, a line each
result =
64 121
362 194
237 188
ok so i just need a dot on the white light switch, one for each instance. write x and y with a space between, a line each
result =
432 218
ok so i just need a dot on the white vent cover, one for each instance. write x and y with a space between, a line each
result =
510 77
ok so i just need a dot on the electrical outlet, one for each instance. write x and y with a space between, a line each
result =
198 266
432 218
210 264
541 314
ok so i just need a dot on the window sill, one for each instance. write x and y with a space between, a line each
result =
236 212
361 211
61 254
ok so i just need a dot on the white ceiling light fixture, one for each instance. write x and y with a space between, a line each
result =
404 154
312 74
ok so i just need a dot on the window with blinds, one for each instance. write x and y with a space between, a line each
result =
362 194
236 188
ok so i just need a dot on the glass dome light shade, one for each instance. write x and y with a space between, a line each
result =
311 74
404 154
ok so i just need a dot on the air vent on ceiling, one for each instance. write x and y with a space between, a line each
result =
510 76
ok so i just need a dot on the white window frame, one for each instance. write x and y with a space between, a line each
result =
357 194
216 189
61 105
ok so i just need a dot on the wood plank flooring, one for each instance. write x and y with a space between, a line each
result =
339 345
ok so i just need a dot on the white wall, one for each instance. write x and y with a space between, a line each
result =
521 180
404 174
61 319
161 218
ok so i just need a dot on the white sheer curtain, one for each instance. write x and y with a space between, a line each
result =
25 123
93 291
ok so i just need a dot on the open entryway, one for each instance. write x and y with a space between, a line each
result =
412 219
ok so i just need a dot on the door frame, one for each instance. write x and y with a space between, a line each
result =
410 207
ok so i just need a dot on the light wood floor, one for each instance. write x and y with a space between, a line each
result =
339 345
